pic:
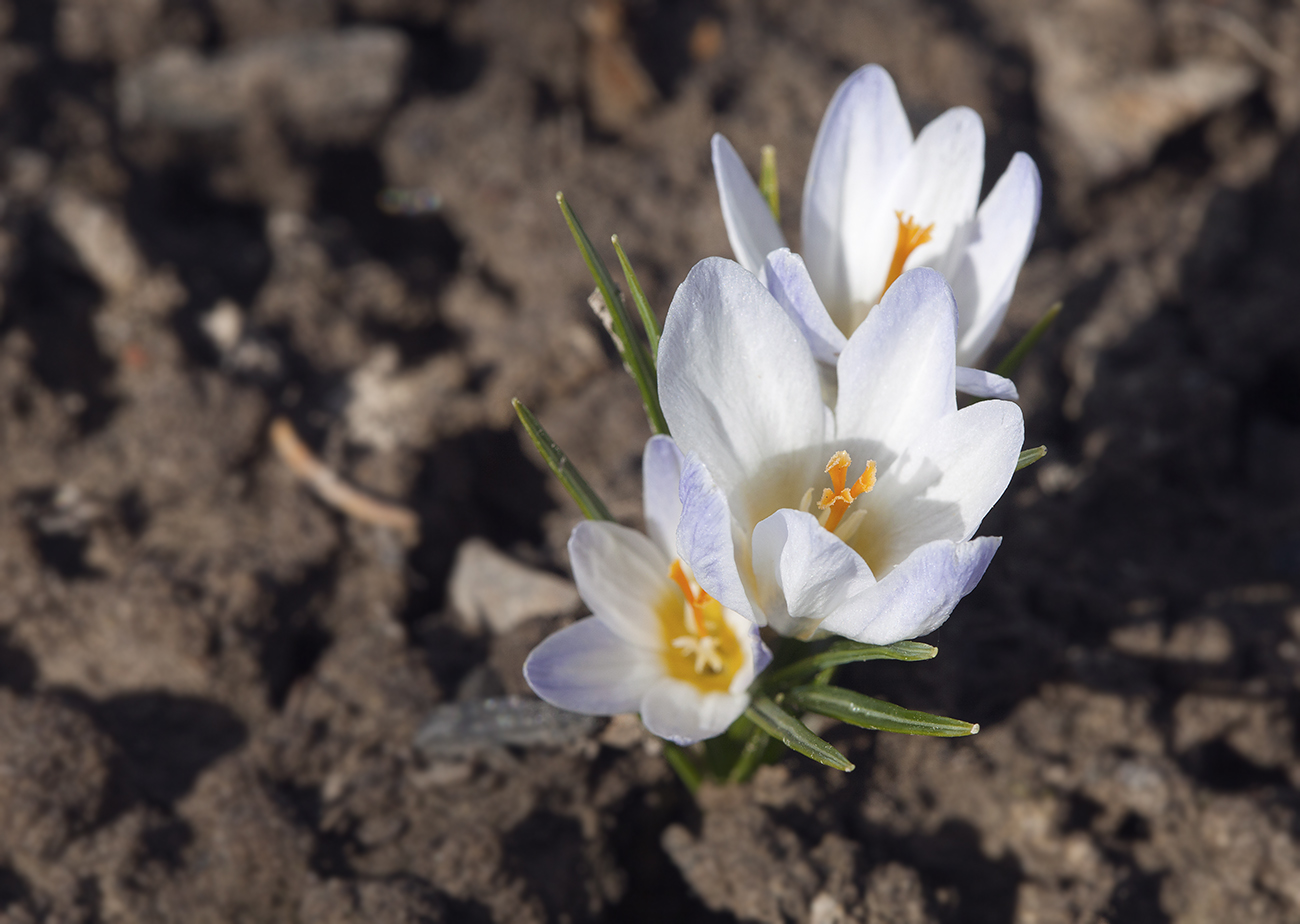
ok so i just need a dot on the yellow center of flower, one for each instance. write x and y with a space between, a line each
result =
910 236
836 502
707 654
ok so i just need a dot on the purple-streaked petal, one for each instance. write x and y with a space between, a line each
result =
950 476
803 571
980 384
1004 232
863 140
751 229
706 541
622 576
677 711
737 380
917 596
787 279
897 374
587 668
661 474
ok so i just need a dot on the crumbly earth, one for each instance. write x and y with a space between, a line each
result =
217 213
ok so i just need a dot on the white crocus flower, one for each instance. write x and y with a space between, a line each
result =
877 202
857 520
657 643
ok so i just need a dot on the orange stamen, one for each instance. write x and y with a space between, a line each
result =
910 236
836 503
697 598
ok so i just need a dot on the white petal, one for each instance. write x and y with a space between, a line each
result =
917 596
897 374
939 183
677 711
622 576
787 279
737 380
661 474
1004 232
587 668
706 540
949 477
803 571
981 384
751 229
863 140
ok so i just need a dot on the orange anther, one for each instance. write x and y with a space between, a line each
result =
910 236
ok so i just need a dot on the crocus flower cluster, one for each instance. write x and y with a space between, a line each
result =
820 478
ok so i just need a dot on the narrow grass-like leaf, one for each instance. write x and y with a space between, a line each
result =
751 754
592 507
865 712
687 770
1029 456
648 319
767 181
780 724
846 653
1011 362
633 350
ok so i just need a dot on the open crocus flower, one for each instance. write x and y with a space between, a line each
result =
856 520
876 202
657 643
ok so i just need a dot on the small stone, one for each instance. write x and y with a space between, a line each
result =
490 589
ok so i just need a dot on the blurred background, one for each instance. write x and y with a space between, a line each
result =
250 246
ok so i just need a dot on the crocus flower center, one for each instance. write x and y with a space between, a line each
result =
910 236
706 655
836 502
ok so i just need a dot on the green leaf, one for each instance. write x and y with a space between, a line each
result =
648 319
767 181
592 507
751 753
780 724
846 652
630 347
1029 456
687 770
865 712
1012 361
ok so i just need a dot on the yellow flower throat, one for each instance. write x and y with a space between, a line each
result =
708 654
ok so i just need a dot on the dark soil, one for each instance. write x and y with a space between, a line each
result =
210 681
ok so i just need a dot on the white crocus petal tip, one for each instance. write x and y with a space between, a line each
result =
588 668
751 228
986 279
981 384
661 473
677 711
621 575
786 277
918 595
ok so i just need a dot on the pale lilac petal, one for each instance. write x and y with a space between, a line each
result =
897 374
706 540
587 668
621 575
737 380
787 279
751 229
762 654
661 474
918 595
803 571
939 183
863 141
950 476
677 711
980 384
1004 232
